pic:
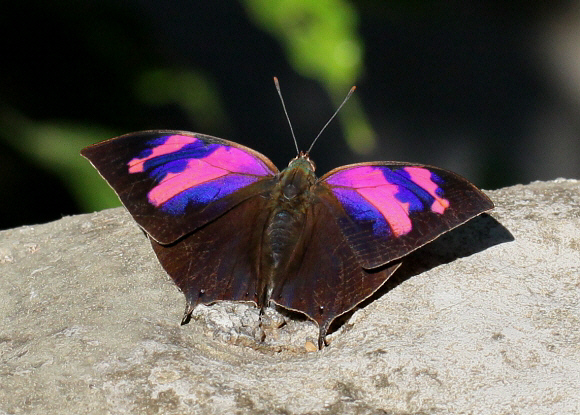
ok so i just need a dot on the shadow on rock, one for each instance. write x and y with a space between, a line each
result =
475 236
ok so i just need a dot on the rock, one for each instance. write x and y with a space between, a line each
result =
485 320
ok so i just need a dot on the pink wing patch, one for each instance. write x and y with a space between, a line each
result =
191 169
357 177
173 144
383 198
235 160
422 177
195 173
387 196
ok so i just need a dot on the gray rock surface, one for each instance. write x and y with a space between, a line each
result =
485 320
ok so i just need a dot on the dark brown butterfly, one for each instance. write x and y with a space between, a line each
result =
227 225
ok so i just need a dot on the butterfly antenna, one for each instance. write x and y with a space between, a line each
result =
286 112
331 118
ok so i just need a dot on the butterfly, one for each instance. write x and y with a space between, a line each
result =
226 224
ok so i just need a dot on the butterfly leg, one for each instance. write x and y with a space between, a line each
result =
322 331
261 333
322 338
187 313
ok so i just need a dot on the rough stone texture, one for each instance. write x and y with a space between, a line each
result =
485 320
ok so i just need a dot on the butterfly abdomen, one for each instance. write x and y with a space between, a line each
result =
284 233
281 234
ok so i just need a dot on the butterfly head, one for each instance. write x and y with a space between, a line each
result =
302 161
298 178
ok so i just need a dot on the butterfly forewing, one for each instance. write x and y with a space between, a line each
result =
388 209
173 182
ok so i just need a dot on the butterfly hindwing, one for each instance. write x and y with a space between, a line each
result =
173 182
219 261
388 209
329 279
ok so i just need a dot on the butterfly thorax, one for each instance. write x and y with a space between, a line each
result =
284 233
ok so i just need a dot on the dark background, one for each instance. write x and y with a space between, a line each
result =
490 90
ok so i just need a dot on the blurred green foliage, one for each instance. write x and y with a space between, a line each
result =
55 146
454 84
321 42
193 92
319 38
